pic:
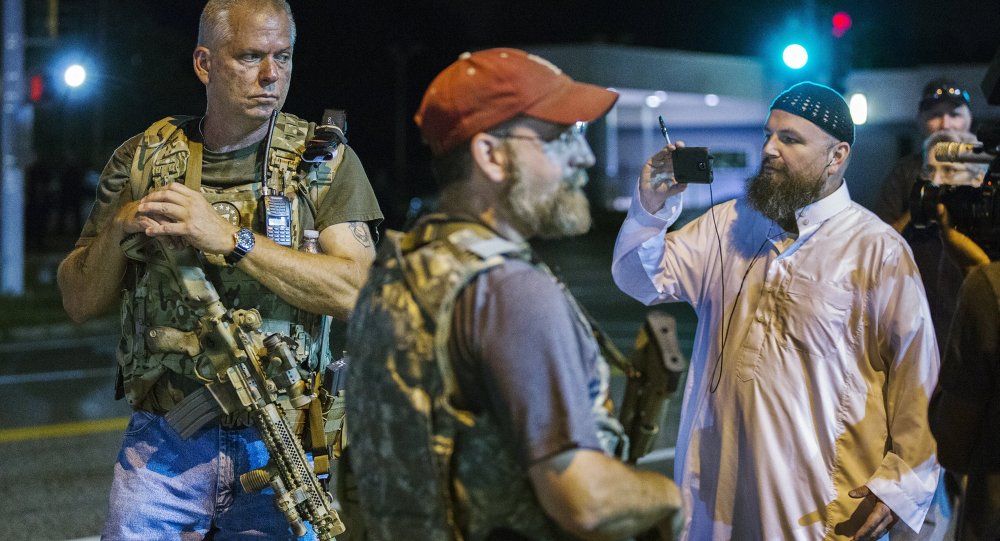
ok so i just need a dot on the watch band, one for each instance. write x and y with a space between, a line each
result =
244 243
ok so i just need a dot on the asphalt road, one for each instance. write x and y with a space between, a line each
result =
60 427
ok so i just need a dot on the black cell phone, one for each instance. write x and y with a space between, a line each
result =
692 165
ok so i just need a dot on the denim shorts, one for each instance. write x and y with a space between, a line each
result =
165 487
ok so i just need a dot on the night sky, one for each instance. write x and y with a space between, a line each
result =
358 54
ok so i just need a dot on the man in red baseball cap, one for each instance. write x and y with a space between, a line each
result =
478 389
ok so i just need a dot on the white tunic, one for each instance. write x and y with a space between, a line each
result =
813 363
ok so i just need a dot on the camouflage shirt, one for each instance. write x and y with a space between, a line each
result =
156 373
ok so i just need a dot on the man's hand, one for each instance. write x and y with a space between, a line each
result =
879 521
178 211
128 219
959 247
656 182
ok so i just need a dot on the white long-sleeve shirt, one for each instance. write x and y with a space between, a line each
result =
813 363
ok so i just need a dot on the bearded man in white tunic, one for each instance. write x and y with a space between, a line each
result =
805 409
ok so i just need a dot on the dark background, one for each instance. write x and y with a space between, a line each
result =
375 58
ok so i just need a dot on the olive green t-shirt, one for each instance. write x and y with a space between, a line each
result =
349 199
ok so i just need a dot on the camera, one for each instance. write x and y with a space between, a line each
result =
973 210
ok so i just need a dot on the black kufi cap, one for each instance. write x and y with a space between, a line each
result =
821 105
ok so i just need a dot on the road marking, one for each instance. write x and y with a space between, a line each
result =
41 377
102 342
63 430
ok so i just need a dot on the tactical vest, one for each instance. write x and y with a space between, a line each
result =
425 468
158 350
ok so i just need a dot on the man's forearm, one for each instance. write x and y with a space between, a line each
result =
639 505
318 283
90 277
596 497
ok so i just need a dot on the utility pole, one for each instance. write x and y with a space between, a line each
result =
15 116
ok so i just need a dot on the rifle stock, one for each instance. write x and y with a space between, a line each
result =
653 374
237 382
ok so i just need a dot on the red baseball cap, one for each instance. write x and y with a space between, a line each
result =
485 88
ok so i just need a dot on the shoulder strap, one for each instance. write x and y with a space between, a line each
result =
288 172
161 135
288 140
193 177
438 274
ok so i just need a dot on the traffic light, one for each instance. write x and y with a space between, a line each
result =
841 23
36 87
795 56
843 50
54 82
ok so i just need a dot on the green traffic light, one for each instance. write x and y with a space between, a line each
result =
795 56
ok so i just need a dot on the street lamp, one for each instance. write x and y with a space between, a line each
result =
75 75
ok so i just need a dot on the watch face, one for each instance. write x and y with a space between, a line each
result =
228 211
245 239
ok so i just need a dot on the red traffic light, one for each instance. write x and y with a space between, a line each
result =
36 88
841 23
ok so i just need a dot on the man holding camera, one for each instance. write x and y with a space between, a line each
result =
965 407
942 276
805 408
210 183
944 105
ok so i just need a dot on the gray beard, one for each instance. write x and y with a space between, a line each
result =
564 213
778 195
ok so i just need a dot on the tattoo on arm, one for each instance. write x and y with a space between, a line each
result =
361 234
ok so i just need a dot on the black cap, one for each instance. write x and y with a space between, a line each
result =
821 105
943 90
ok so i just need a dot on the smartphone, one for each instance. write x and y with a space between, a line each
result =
692 165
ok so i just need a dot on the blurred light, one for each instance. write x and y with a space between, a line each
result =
859 108
841 23
795 56
36 87
653 101
75 75
711 100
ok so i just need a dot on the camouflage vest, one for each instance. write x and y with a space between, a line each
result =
158 350
427 469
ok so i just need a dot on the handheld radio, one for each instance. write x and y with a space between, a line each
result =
277 208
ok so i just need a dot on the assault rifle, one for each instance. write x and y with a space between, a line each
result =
236 362
652 375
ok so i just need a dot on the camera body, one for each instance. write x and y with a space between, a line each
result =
972 210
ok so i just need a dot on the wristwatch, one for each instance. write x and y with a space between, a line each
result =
244 243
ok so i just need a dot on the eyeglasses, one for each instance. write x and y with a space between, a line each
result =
565 138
